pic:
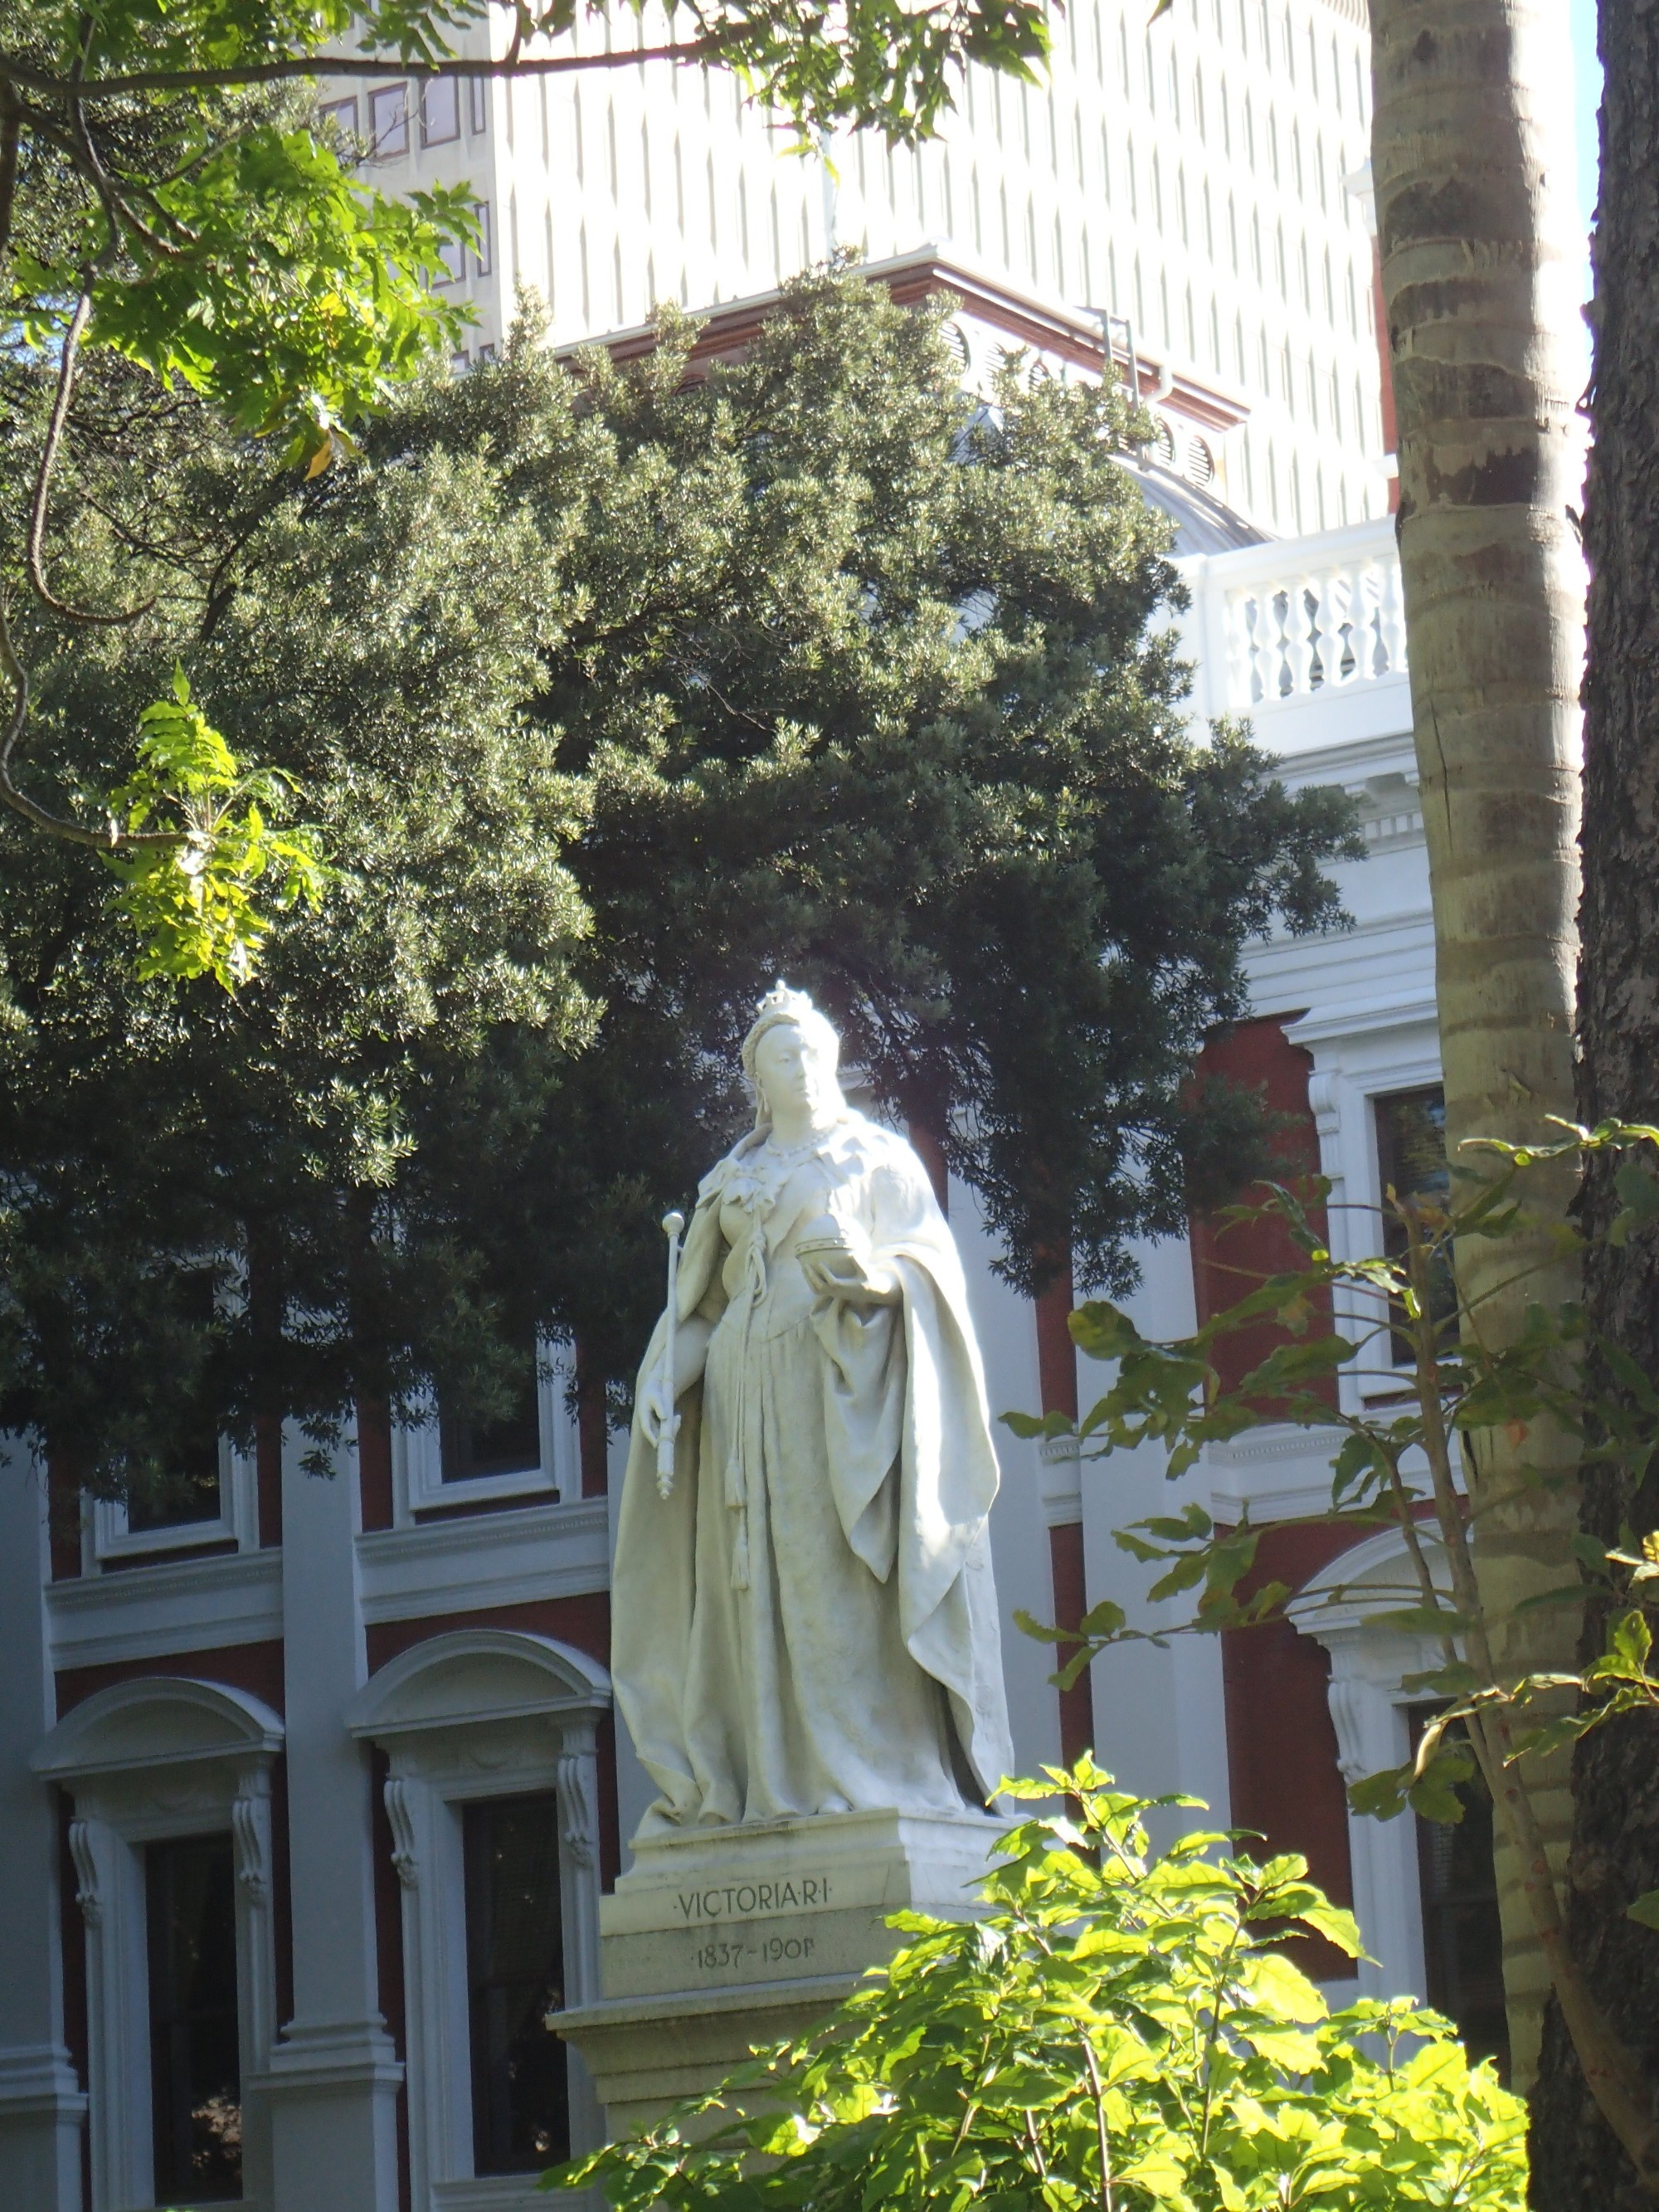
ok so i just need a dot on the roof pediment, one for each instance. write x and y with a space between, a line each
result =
157 1720
474 1676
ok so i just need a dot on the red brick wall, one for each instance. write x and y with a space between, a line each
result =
255 1668
1281 1743
1229 1261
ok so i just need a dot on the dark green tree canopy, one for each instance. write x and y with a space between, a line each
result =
167 196
617 695
879 689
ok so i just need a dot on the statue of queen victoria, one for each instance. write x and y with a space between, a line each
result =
807 1622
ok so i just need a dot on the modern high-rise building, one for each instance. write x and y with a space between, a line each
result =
1197 180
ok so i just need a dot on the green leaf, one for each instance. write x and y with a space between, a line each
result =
204 903
1455 1681
1102 1331
1276 1986
1645 1909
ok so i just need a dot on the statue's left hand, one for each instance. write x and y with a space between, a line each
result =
839 1273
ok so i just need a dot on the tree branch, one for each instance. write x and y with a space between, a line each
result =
11 129
13 70
33 553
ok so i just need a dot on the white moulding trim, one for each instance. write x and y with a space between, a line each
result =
156 1613
1364 1018
473 1714
473 1676
509 1558
157 1721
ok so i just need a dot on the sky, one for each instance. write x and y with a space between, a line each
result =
1587 97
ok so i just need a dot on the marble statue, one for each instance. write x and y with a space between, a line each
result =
807 1621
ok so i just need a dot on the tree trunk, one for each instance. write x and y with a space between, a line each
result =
1616 1847
1471 163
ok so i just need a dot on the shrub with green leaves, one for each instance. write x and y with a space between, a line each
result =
1121 2028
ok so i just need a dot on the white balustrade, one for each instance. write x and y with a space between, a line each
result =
1299 619
1304 630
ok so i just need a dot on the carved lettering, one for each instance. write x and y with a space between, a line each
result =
745 1899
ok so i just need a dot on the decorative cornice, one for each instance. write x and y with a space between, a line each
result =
487 1559
154 1612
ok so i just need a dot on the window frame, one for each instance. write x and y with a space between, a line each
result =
463 1717
1362 1053
156 1759
417 1473
334 111
429 137
1403 1358
379 146
106 1536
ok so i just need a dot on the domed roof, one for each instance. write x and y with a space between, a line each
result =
1203 524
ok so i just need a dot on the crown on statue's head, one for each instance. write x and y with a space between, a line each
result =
781 1007
782 1004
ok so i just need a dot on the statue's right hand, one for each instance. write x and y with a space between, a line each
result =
654 1412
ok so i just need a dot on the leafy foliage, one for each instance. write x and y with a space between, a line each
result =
164 195
1459 1387
279 1138
874 688
611 697
1172 1393
1118 2029
193 902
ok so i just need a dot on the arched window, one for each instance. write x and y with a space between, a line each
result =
169 1779
491 1739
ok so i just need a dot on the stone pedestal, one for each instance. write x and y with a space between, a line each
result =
718 1939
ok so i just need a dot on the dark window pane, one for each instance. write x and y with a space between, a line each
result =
185 1492
195 2065
507 1446
1462 1939
184 1488
515 1978
1411 1151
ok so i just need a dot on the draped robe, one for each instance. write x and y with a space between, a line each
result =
808 1623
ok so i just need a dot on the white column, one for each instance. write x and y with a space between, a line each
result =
41 2105
578 1788
426 1834
1160 1714
334 2074
1372 1733
110 1891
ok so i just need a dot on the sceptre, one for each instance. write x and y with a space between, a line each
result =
670 1428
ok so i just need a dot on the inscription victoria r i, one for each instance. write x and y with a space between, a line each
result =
742 1898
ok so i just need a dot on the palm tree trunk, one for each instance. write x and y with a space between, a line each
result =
1577 2165
1472 166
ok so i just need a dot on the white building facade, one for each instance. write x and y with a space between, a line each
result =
1195 180
307 1805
